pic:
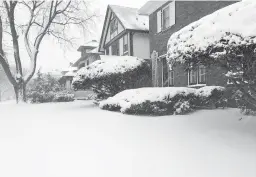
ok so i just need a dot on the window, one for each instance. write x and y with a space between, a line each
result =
166 19
202 75
125 44
171 78
192 77
197 75
113 26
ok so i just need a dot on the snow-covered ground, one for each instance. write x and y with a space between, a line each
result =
80 140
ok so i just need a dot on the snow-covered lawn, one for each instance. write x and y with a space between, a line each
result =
80 140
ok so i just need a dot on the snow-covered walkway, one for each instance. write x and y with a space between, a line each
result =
80 140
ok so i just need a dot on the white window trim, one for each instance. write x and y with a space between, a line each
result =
127 51
162 17
161 14
197 79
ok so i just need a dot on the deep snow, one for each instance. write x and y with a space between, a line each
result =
78 139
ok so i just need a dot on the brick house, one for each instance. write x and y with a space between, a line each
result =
125 32
167 17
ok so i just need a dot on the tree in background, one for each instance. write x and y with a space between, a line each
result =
6 90
53 18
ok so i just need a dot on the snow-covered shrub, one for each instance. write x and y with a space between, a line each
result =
63 96
163 101
113 74
46 88
225 38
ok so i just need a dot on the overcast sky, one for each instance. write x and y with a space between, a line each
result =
54 56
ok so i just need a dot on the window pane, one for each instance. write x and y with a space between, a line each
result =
113 26
192 77
125 40
202 74
171 78
166 21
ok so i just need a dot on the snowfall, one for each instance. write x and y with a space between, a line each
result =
79 139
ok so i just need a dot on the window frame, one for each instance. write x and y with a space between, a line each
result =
163 24
171 79
125 52
201 74
197 74
115 28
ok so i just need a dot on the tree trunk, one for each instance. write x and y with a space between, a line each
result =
20 93
16 90
24 92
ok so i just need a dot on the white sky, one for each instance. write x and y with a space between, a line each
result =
53 56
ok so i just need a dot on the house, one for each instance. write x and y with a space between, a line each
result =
89 54
125 32
166 18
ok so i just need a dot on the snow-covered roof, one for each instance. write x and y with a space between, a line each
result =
109 64
235 23
71 68
89 45
150 7
70 73
92 43
130 18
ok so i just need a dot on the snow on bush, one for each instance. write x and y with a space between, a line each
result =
46 88
226 39
160 101
112 74
233 25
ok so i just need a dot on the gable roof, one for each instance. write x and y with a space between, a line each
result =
129 19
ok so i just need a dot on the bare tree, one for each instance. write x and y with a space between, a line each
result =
53 18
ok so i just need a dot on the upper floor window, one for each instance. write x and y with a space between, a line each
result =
125 44
113 25
166 17
197 75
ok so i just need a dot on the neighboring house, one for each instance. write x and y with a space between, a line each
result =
89 54
166 18
67 77
125 32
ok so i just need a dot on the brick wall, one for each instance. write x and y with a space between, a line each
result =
186 13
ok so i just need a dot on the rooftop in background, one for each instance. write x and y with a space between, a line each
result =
89 45
150 7
130 18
